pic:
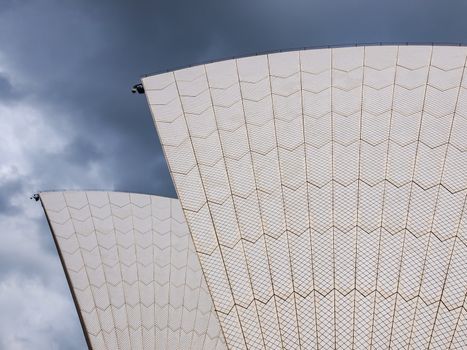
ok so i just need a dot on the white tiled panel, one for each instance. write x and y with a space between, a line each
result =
133 268
325 192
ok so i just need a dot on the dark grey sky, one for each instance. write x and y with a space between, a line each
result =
69 121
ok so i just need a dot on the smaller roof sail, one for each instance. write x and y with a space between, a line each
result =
133 271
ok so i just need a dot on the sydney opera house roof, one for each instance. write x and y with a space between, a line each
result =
324 192
133 271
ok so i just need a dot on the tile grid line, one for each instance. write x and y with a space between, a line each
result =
233 203
85 266
358 194
69 281
210 214
308 202
462 312
169 282
121 273
397 69
345 144
259 203
433 217
283 203
206 334
103 269
85 269
333 192
151 203
137 267
446 277
171 172
416 159
385 183
190 242
185 277
443 169
191 246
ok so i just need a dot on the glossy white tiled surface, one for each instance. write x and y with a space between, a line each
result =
134 271
325 193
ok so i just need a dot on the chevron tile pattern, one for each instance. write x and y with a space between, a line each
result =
325 193
133 270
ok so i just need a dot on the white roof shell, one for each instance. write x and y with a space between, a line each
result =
133 271
325 192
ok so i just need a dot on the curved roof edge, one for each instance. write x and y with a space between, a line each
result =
104 190
312 47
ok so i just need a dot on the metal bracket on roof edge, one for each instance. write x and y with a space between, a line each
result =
138 88
35 196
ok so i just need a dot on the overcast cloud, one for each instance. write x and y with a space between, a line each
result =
69 121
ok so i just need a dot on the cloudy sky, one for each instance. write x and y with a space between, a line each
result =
69 121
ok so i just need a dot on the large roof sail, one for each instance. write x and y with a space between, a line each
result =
325 193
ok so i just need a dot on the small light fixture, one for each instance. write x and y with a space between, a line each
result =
138 88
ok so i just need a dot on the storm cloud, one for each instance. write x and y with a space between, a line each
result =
69 121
